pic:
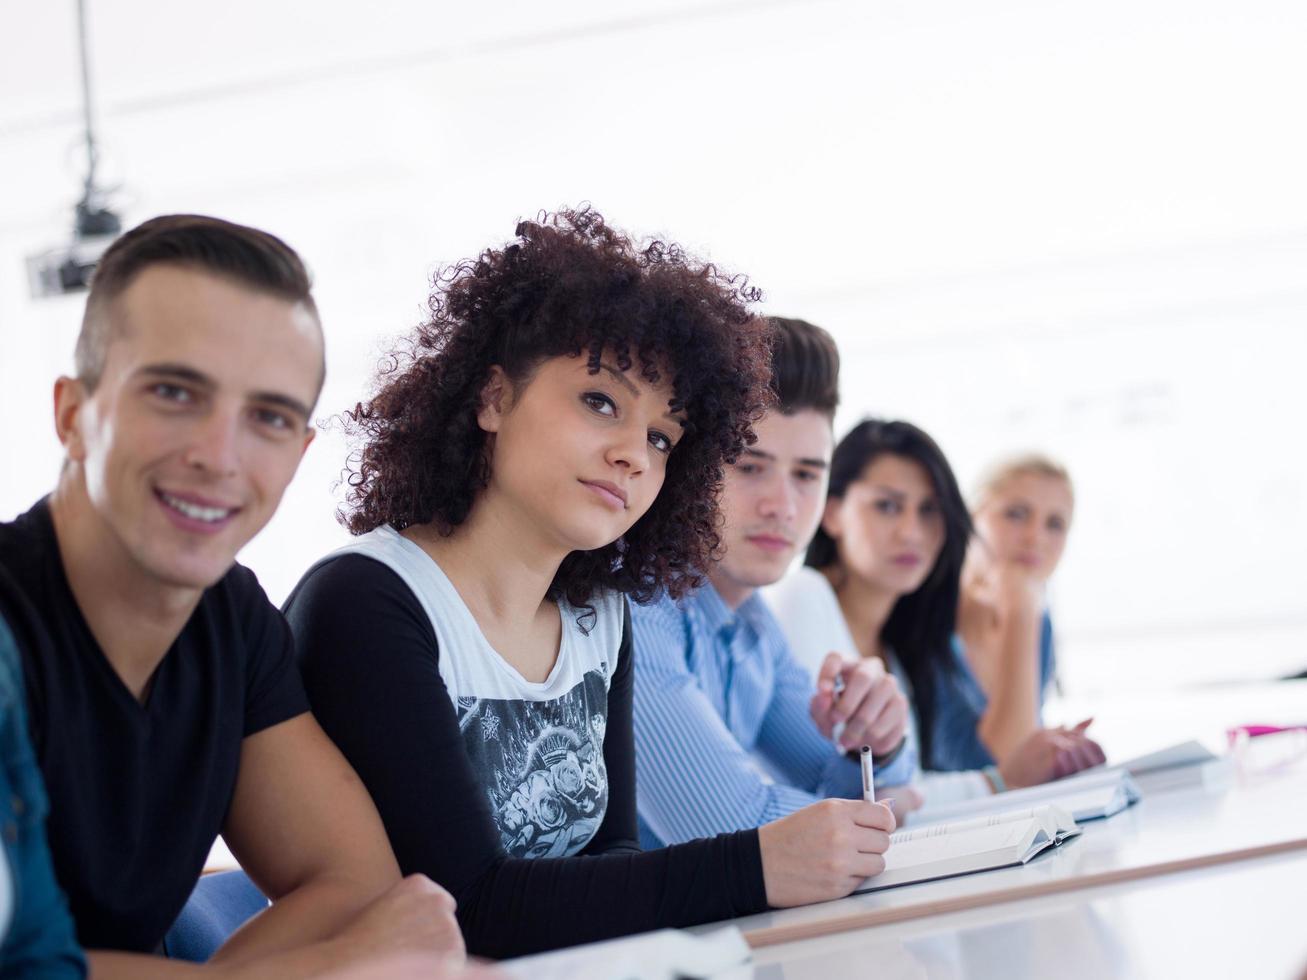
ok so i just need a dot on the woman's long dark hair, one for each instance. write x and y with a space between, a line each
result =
920 626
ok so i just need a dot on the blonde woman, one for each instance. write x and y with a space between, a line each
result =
1022 511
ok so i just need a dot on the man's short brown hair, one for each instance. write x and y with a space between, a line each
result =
246 255
805 367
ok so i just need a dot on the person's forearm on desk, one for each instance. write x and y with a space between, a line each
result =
1011 683
304 828
412 918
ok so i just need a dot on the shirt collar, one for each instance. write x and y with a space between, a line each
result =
711 607
716 616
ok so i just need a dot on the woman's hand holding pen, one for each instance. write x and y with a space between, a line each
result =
869 704
823 851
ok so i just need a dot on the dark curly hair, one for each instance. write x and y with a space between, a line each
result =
568 285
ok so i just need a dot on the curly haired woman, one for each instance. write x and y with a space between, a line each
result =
550 445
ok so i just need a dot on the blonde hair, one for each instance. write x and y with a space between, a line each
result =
1033 464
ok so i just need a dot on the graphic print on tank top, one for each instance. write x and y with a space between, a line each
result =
542 765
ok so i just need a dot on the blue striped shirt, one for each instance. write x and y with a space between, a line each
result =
723 737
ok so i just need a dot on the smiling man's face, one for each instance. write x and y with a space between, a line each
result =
196 425
772 501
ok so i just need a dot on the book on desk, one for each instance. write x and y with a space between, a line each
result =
1011 828
1183 755
1091 795
1174 767
996 840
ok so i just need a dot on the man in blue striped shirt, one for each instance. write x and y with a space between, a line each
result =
729 734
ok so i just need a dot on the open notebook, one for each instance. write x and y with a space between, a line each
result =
1090 795
998 840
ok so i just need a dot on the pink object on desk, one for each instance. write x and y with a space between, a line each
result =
1252 731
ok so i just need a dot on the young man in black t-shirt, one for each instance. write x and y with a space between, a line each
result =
165 707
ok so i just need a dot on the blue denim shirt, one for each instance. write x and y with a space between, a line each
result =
40 940
959 703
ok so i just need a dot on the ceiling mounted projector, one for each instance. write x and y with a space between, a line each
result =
68 268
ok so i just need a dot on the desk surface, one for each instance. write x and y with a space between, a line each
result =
1232 814
1237 920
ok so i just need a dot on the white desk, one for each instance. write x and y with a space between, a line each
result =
1235 921
1235 816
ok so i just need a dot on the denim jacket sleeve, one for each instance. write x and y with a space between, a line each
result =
959 703
40 940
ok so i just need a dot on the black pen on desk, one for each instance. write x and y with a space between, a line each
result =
868 776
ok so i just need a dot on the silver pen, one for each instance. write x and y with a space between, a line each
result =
868 776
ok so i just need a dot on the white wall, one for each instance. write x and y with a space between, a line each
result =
1080 227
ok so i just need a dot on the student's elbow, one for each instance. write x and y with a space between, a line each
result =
377 873
367 863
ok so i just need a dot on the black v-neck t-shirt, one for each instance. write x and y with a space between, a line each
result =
138 791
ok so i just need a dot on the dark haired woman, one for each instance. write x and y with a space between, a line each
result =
553 445
882 575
